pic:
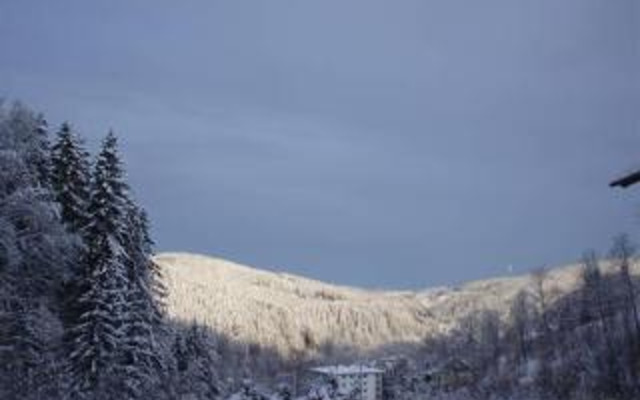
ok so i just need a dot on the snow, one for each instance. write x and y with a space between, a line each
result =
347 370
278 310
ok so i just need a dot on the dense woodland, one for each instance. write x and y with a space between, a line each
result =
82 312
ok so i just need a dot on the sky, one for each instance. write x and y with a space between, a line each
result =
391 144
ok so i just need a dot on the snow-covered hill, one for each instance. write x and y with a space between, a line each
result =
290 312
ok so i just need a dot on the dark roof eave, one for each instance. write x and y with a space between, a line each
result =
626 181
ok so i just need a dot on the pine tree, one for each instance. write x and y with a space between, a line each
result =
32 238
117 310
70 180
33 369
143 270
33 249
41 160
192 351
97 337
27 133
145 317
70 177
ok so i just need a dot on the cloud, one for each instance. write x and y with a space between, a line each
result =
365 142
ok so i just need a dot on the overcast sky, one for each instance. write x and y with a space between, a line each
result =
377 143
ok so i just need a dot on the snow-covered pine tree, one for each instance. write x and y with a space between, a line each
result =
70 180
195 363
142 352
33 248
147 272
34 369
97 336
28 135
41 159
33 231
70 177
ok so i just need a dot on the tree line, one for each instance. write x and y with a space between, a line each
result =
551 344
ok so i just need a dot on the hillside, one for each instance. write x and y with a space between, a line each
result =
290 312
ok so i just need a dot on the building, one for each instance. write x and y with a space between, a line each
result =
360 379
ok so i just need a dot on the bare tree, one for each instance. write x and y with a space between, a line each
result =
489 336
622 254
539 277
480 335
545 341
599 299
520 316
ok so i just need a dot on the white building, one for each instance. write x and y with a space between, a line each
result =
366 380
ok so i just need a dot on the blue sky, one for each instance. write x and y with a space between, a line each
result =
378 143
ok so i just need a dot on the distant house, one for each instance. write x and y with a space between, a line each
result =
364 380
453 373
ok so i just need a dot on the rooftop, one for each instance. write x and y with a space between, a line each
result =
347 370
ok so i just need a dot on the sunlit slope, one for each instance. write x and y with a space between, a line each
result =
295 313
